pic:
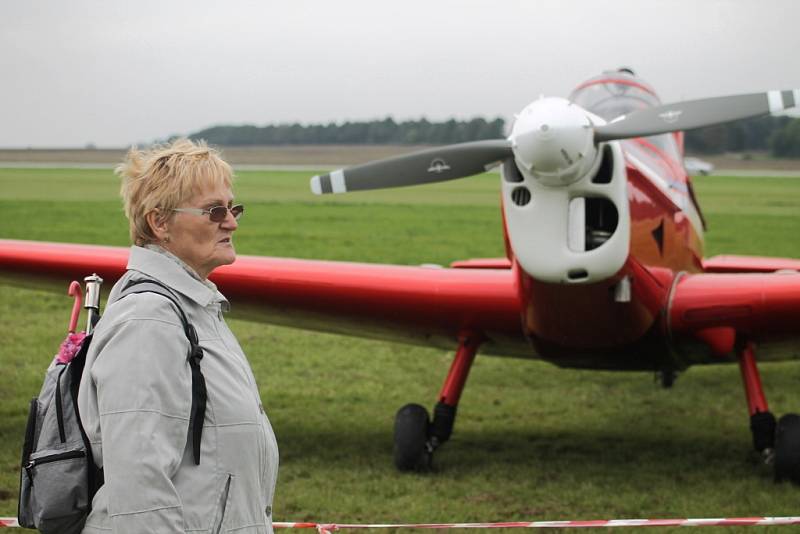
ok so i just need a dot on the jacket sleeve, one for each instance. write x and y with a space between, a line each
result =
143 384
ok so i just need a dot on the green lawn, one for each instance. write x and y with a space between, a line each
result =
532 441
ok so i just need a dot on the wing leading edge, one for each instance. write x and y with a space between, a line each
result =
421 305
723 310
749 264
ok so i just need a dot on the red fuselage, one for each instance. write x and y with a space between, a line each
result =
583 325
681 309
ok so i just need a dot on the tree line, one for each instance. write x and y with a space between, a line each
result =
379 132
778 135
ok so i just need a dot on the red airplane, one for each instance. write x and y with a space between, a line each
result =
604 263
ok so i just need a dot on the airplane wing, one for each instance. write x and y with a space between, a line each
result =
749 264
430 306
482 263
421 305
722 310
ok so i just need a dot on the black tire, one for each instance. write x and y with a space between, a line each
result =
411 438
787 448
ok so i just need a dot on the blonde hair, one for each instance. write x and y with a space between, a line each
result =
165 176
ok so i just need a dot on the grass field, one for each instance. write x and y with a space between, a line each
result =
532 441
332 154
248 155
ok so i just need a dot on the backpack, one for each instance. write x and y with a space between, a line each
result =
58 476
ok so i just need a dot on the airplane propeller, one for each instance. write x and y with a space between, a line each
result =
545 131
423 167
695 114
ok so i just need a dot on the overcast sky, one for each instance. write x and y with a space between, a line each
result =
115 73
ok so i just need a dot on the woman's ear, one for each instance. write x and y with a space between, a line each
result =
159 224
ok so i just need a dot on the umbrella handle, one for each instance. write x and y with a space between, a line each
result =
75 291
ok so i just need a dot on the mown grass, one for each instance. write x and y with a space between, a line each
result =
532 441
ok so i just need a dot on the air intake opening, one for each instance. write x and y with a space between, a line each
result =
601 221
511 172
520 196
577 274
606 170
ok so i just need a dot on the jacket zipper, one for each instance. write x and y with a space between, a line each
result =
241 362
224 504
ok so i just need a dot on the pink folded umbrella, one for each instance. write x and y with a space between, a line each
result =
72 343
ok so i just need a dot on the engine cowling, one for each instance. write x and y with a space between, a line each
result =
564 198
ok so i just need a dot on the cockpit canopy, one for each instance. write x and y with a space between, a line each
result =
614 93
620 92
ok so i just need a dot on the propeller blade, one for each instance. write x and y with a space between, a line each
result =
424 167
696 114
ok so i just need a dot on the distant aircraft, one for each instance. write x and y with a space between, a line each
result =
603 266
697 166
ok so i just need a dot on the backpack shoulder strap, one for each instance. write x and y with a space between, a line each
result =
199 392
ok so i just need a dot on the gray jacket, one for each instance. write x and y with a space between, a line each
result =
135 399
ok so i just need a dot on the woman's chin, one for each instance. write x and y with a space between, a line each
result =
225 255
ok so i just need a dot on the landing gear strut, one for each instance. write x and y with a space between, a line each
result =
778 444
416 437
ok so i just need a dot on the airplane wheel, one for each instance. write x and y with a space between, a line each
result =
411 451
787 448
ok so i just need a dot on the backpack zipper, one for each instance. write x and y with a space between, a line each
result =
52 458
30 430
59 408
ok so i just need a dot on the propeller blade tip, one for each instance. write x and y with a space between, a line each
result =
329 183
316 185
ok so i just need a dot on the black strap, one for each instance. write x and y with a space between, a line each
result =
76 366
199 392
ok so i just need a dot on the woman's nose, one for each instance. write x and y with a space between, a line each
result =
230 222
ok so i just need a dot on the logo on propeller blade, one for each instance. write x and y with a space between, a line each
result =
670 116
438 166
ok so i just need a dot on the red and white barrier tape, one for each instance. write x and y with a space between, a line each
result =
326 528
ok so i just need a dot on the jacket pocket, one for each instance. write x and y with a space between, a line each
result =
222 506
59 490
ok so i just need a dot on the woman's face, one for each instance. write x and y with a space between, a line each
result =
203 244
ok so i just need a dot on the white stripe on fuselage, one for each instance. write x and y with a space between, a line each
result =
686 206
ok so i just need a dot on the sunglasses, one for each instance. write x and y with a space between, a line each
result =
217 214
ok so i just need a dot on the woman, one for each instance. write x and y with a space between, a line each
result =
136 393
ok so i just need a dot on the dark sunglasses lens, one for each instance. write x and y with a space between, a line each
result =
218 213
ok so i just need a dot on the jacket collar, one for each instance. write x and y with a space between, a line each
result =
170 272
